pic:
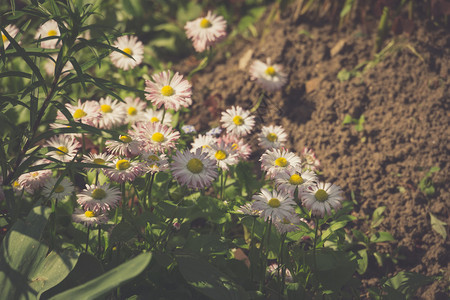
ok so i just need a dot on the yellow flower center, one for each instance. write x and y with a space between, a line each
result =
89 214
158 137
99 161
122 164
62 150
205 23
153 157
270 71
167 91
238 120
16 184
4 38
35 174
234 146
272 137
154 119
128 51
220 155
274 202
79 113
321 195
59 189
132 111
106 108
296 179
281 162
195 165
52 32
285 221
98 194
125 138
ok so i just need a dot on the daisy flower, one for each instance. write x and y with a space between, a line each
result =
270 76
188 129
224 154
156 136
309 160
172 92
292 179
156 116
127 146
195 170
203 142
58 191
288 224
123 170
237 144
47 30
276 271
275 161
67 147
84 113
273 205
131 46
248 210
214 131
100 197
155 162
237 121
272 137
100 159
34 181
321 198
12 30
88 217
205 32
135 109
112 113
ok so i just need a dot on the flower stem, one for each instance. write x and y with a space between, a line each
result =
150 191
99 250
87 238
258 103
315 243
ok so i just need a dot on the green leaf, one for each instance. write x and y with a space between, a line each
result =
207 279
363 262
438 226
347 120
344 75
109 281
377 216
407 282
381 236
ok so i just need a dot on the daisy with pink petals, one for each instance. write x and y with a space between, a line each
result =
224 154
100 159
172 92
99 198
238 144
275 161
89 218
66 147
322 198
34 181
12 30
127 146
156 136
123 170
206 31
131 46
112 113
309 160
154 162
270 76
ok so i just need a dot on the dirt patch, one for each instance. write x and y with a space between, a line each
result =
405 102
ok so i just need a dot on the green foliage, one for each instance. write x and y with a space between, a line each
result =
438 226
426 183
359 123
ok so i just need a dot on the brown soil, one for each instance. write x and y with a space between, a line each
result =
405 102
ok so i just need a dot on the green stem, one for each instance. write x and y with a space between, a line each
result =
99 250
266 253
87 238
252 245
258 103
54 205
315 243
221 183
150 191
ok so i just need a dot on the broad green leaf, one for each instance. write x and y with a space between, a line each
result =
109 281
363 262
377 216
438 226
347 120
408 282
381 236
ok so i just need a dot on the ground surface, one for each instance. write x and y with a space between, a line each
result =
405 102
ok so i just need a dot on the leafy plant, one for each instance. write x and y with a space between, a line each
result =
359 123
426 183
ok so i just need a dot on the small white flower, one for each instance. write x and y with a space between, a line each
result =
188 129
279 160
47 30
154 162
123 170
292 180
321 198
214 131
237 121
88 217
67 147
112 113
58 191
85 112
203 142
156 116
272 137
99 197
288 224
135 109
205 32
224 154
270 76
127 146
100 159
12 30
273 205
155 136
309 160
131 46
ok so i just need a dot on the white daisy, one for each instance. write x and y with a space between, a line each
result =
237 144
156 136
276 271
131 46
292 180
279 160
156 116
247 209
67 147
205 32
98 198
127 146
270 76
88 217
100 159
35 180
288 224
188 129
155 162
309 160
272 137
203 142
12 30
214 131
224 154
135 109
321 198
172 92
112 113
58 191
123 170
49 30
275 205
85 112
195 170
237 121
